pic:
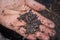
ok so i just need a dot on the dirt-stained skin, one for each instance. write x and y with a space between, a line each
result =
14 19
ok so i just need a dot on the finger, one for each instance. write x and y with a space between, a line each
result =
31 37
22 31
44 20
11 12
42 36
46 30
35 5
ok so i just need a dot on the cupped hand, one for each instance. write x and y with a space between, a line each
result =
12 17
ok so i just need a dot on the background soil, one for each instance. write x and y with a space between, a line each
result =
52 5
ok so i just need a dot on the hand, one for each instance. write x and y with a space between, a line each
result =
10 15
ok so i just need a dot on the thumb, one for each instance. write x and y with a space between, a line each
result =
35 5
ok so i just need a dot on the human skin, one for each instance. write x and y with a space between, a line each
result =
11 10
